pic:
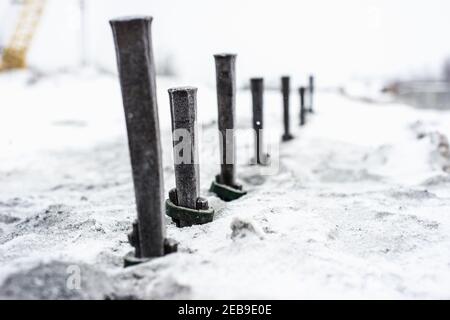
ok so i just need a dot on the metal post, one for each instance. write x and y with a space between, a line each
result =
257 87
286 90
185 204
311 93
133 43
226 102
302 106
183 108
225 185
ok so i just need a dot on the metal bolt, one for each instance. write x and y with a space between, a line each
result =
257 87
183 107
170 246
173 196
302 106
133 238
311 93
226 102
286 90
133 43
202 204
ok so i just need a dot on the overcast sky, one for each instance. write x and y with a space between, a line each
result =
337 40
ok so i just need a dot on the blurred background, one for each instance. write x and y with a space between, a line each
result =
373 43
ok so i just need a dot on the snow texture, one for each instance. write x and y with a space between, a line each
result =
358 208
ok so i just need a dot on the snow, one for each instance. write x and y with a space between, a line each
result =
358 206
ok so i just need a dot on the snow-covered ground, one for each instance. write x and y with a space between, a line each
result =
359 208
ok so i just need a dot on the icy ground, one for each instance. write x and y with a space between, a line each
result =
359 208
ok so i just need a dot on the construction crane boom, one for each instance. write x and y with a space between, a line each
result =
14 54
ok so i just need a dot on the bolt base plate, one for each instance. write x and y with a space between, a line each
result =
263 161
226 193
130 259
287 137
186 217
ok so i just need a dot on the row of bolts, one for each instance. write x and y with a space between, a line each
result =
135 60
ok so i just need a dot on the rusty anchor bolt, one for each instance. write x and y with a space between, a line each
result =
185 206
257 88
225 185
135 62
286 91
301 91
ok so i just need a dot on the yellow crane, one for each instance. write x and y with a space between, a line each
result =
15 53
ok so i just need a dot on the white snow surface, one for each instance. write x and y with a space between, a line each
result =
358 208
